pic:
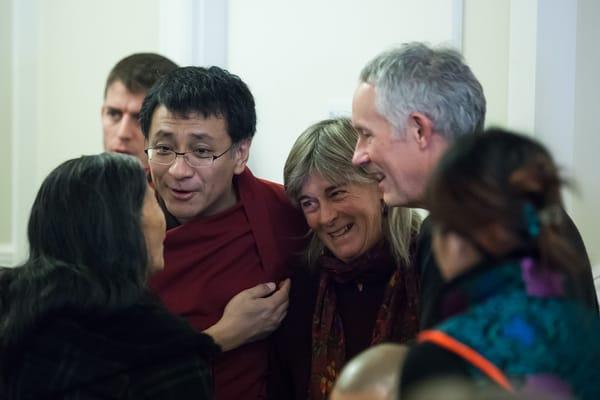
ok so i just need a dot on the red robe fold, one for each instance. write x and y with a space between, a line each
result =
209 260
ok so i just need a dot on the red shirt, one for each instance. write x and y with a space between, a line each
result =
209 260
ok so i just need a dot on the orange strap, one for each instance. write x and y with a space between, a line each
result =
449 343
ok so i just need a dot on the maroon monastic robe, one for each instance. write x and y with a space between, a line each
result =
209 260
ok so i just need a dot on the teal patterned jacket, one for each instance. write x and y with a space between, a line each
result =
517 316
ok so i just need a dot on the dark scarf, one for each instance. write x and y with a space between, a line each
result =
396 319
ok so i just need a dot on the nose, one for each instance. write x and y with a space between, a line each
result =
127 127
360 156
180 169
327 213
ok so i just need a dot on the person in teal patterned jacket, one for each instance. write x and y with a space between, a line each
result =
513 314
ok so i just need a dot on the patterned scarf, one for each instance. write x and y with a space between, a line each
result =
396 319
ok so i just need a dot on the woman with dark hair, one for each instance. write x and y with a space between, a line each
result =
76 319
357 287
512 308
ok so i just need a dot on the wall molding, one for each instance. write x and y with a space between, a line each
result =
7 255
194 32
596 273
24 125
458 16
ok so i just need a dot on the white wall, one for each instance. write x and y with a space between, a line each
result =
586 139
301 59
80 41
486 50
554 61
538 62
5 128
62 51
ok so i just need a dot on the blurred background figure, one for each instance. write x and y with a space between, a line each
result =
125 89
76 320
357 287
512 310
371 375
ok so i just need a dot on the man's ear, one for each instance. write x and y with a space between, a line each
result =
422 128
241 154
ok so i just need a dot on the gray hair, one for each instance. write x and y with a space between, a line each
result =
435 82
326 149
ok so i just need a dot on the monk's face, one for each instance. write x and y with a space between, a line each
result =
191 188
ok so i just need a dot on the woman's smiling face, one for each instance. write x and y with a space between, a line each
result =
347 218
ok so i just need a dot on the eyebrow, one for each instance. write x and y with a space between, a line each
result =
327 190
362 130
111 108
202 136
331 188
162 134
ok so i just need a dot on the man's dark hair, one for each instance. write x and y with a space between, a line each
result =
139 71
209 92
87 252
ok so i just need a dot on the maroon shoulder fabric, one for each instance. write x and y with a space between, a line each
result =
210 260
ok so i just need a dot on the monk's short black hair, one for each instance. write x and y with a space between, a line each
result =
208 92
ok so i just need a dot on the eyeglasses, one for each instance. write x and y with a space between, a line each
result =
200 157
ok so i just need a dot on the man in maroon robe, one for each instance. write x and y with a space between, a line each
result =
228 231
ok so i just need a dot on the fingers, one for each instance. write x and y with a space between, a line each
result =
282 294
280 312
285 285
272 319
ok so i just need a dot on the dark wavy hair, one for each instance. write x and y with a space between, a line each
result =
210 92
504 178
87 250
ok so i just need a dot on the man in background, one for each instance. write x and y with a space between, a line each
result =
125 89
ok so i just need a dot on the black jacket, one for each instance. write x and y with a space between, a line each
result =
141 352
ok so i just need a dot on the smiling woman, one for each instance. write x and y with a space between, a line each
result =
345 217
359 288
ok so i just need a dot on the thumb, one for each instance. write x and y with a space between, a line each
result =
261 290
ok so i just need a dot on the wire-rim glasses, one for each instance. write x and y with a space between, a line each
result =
194 158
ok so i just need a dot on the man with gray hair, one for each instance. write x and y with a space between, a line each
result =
409 106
